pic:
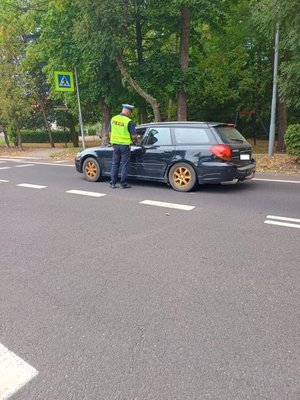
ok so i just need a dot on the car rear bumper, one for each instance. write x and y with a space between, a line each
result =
225 172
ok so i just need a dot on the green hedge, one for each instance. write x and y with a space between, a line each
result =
292 140
92 132
29 136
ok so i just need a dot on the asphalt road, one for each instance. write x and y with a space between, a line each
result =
108 298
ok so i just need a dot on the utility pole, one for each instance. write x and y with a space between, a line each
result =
274 95
79 111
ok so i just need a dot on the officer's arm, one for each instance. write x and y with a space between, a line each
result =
109 132
132 131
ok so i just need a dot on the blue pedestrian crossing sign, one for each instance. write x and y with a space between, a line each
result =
64 81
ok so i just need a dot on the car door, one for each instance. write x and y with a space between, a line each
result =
156 152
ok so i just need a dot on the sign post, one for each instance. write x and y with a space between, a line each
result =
79 111
64 82
274 94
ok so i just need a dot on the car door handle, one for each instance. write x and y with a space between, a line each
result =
168 151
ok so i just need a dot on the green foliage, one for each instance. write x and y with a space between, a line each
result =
35 136
286 14
91 132
292 140
230 58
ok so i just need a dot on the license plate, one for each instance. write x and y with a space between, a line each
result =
244 156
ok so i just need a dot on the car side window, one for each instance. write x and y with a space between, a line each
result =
159 136
140 134
192 136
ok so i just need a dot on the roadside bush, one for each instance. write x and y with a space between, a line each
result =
35 136
292 140
91 132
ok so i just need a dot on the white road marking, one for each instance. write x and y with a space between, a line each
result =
283 218
84 193
40 163
3 181
282 224
276 220
55 165
275 180
5 167
29 185
167 205
24 165
14 373
10 159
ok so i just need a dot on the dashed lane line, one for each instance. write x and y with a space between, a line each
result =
5 167
282 221
31 186
14 373
84 193
167 205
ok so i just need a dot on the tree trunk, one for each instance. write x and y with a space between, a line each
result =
183 61
105 118
6 137
74 134
282 125
151 100
143 115
139 38
47 124
19 137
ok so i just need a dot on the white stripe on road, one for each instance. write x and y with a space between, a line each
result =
84 193
279 221
10 159
40 163
5 167
283 218
167 205
275 180
14 373
282 224
29 185
3 181
24 165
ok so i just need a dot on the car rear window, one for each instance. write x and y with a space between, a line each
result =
192 136
230 135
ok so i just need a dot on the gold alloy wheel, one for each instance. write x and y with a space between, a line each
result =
91 169
182 176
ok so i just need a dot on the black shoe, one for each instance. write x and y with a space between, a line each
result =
113 185
127 186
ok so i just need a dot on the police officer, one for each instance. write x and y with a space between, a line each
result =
122 133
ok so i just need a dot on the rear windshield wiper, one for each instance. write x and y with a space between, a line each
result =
237 140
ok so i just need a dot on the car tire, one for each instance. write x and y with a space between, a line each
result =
182 177
91 170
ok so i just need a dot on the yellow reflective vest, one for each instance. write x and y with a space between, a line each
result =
119 130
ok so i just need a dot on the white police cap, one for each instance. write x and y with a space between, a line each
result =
128 107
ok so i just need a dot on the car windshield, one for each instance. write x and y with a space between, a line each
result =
230 135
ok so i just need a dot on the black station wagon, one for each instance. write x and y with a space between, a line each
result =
181 154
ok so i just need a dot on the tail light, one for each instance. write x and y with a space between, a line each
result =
222 151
